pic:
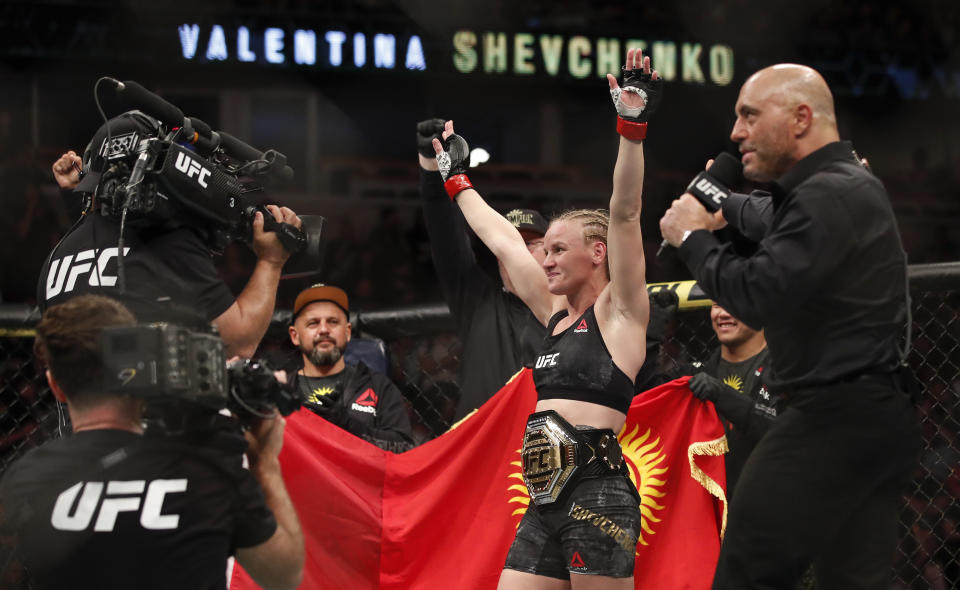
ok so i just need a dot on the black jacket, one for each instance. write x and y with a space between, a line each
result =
828 279
499 334
370 406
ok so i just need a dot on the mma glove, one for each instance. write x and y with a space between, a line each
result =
707 388
730 404
426 132
632 120
453 162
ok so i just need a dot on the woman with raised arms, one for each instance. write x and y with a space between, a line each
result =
580 530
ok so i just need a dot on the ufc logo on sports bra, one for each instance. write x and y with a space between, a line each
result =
69 514
192 168
64 272
547 360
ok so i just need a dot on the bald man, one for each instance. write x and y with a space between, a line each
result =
827 282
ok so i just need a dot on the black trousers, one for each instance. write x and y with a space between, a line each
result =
824 486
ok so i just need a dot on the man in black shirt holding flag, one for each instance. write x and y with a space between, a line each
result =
827 283
734 379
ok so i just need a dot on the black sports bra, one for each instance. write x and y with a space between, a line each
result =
575 364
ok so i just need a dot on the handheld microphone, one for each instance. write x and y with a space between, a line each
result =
710 187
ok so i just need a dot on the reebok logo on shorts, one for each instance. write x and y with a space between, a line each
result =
576 562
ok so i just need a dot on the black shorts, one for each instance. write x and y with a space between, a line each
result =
593 532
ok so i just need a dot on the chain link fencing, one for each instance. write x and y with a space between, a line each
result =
423 360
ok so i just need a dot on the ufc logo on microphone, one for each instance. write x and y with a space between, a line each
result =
191 168
71 514
711 191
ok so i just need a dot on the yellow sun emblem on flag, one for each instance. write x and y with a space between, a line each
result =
320 392
645 460
734 381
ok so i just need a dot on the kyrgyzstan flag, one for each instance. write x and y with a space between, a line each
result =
443 515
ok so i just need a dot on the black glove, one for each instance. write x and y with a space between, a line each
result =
707 388
426 132
643 84
327 406
455 157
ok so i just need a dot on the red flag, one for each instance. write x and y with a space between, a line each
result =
673 444
443 515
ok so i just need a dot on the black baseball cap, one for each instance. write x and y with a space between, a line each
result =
126 133
528 220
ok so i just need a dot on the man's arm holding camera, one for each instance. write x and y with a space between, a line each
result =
277 562
246 321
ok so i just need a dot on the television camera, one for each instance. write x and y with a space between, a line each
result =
158 167
167 365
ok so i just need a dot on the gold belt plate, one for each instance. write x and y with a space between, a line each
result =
549 456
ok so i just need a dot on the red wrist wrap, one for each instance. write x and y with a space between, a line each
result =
455 184
631 130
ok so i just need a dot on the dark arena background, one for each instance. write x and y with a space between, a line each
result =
339 86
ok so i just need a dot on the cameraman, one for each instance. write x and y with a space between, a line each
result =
170 275
111 508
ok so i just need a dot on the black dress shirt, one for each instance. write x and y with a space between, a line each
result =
828 279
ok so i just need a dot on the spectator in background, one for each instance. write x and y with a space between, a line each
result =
499 333
358 400
733 378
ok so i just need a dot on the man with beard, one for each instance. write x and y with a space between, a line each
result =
362 402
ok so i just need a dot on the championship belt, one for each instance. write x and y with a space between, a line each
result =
555 453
